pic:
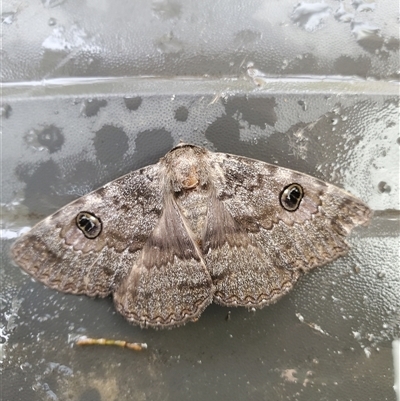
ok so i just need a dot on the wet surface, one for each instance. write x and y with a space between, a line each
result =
331 338
332 335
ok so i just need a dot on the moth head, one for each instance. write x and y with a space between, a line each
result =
291 196
89 224
186 166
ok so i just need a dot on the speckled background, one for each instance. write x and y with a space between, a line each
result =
93 90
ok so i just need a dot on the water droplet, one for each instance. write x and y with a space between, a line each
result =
52 21
52 3
365 7
7 18
310 16
367 351
91 107
168 44
342 15
25 367
363 31
383 187
49 138
303 104
132 103
181 114
6 110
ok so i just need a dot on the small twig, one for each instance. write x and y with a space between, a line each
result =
105 341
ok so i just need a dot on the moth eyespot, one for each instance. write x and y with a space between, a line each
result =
291 197
89 224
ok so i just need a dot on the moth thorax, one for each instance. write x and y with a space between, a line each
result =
186 175
187 168
189 179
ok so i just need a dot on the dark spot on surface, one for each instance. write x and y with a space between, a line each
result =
306 64
303 104
384 187
92 106
132 103
51 138
111 144
181 114
6 110
371 43
256 111
346 65
89 224
82 177
224 134
151 145
42 187
392 44
291 197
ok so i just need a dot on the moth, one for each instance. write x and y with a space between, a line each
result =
197 227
